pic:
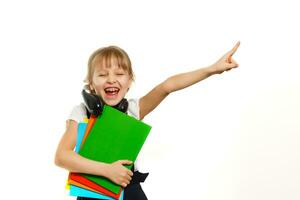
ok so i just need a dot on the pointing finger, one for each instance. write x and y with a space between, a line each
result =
235 48
232 51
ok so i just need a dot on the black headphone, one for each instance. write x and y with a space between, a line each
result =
95 103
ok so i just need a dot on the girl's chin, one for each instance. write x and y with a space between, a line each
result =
112 102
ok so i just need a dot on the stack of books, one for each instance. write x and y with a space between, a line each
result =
111 137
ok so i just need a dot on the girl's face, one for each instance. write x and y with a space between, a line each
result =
111 84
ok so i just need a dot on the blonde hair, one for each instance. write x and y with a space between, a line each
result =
104 57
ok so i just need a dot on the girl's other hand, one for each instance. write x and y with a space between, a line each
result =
226 63
120 174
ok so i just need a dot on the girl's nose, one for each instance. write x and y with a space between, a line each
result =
111 78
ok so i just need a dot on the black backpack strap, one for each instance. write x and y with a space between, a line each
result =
138 176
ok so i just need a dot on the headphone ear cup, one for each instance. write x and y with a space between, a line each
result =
122 106
93 103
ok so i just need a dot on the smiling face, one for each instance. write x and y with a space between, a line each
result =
109 74
111 83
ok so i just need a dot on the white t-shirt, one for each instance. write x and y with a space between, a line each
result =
78 113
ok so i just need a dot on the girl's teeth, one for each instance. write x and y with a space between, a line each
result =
111 90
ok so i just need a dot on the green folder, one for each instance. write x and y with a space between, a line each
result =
114 136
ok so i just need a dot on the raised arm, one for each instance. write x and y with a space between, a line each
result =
180 81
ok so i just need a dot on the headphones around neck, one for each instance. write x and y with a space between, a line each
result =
95 103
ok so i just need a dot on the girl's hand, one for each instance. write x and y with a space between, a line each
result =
120 174
226 63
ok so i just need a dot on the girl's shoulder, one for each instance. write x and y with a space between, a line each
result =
134 108
78 113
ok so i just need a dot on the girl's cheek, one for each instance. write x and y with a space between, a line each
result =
97 81
125 79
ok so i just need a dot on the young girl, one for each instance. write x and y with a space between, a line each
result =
110 76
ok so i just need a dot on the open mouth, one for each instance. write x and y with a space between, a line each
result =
111 91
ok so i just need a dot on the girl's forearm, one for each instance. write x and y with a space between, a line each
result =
181 81
73 162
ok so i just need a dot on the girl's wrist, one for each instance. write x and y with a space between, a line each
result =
212 69
103 169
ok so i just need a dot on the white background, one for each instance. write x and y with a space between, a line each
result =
233 136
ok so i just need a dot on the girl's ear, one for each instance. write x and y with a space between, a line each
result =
92 89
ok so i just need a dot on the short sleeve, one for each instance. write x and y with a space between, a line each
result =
134 108
78 113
